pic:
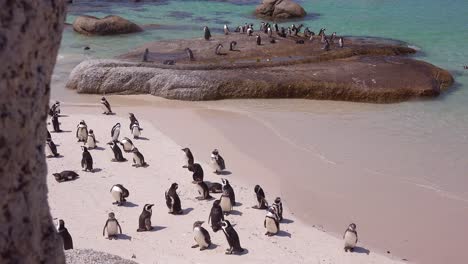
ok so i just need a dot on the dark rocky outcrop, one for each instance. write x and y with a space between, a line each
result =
109 25
280 9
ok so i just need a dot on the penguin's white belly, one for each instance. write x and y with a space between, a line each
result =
215 165
90 142
186 160
115 135
200 189
127 146
136 131
82 134
104 108
271 225
48 150
350 240
112 228
225 204
199 238
116 193
137 159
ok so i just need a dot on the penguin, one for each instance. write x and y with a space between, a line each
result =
173 200
341 42
198 173
350 238
119 193
238 29
65 235
227 187
276 27
282 32
259 40
289 31
226 201
190 54
333 36
55 109
82 131
65 176
136 130
226 30
133 120
56 123
126 144
279 208
293 28
188 157
207 33
269 32
298 29
262 203
271 222
203 191
201 236
326 46
262 26
216 216
86 160
115 132
215 187
48 137
91 140
51 149
217 162
322 32
144 222
118 157
145 55
249 32
232 46
138 159
232 237
112 227
218 49
105 106
306 32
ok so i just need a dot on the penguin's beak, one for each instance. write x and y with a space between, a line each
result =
151 205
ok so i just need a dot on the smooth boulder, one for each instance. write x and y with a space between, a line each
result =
109 25
280 9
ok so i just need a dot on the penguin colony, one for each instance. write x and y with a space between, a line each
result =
221 208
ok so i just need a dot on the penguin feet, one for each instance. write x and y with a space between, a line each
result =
203 248
228 251
351 249
345 249
195 246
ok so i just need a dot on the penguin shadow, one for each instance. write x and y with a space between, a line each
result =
235 212
283 233
222 54
129 204
61 131
235 50
142 166
238 204
110 114
212 246
63 115
157 228
96 170
224 173
186 211
141 138
124 237
55 157
98 148
361 250
286 221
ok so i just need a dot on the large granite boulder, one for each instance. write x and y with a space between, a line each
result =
89 256
280 9
109 25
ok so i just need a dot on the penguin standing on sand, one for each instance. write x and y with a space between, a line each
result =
82 131
276 27
333 36
271 222
65 235
232 46
51 149
232 237
48 137
188 157
207 33
127 144
173 200
226 30
118 157
119 193
55 109
322 32
350 238
269 32
279 208
341 42
133 120
136 130
203 191
227 187
138 159
198 173
218 49
260 194
190 54
55 123
217 162
86 160
259 40
216 216
115 132
249 32
112 227
144 222
91 140
227 200
106 108
146 55
326 46
65 176
201 236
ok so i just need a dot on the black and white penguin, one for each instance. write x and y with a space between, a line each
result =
201 236
226 30
269 32
198 173
249 31
218 49
333 36
90 140
271 222
126 144
261 201
188 157
227 187
144 222
276 27
227 199
136 130
48 137
350 238
203 191
112 227
217 162
232 45
259 40
138 159
326 46
86 160
262 26
341 42
115 132
216 216
207 33
190 54
279 208
232 237
289 31
51 149
145 55
55 123
119 193
106 108
306 32
65 176
173 200
322 32
82 131
118 156
65 235
133 121
55 109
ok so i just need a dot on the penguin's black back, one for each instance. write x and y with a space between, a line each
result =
66 238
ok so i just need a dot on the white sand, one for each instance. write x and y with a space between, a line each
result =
85 203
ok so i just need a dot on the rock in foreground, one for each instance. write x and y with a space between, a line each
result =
280 9
89 256
109 25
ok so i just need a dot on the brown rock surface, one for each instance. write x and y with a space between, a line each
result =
109 25
280 9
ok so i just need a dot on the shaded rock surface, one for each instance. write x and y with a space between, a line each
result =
365 70
280 9
89 256
109 25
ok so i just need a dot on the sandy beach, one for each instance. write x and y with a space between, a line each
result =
85 203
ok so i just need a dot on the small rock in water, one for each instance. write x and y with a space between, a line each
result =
87 48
